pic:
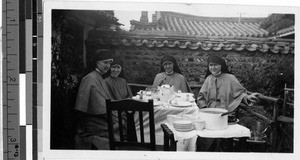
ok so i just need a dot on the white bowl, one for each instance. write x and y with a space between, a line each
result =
199 125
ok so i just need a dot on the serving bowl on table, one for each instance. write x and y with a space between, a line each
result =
213 119
183 125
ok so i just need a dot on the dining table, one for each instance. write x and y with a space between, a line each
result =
186 140
161 111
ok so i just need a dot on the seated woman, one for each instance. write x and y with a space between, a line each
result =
171 75
92 130
116 84
221 89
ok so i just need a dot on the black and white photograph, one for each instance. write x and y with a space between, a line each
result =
172 79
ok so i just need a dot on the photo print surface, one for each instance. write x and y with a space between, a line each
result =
87 43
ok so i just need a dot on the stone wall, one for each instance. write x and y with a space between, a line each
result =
253 69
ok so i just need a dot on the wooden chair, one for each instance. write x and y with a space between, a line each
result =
169 141
130 107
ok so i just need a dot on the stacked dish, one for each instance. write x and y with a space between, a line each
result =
177 102
183 125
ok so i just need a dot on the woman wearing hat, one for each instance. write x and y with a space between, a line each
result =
171 75
221 89
116 84
92 129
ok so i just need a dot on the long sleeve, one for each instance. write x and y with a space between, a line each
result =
159 79
83 95
202 95
223 91
118 88
92 94
177 80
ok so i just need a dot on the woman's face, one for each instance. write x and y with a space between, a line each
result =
103 66
168 66
115 70
215 68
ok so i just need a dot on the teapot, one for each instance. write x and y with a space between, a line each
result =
166 92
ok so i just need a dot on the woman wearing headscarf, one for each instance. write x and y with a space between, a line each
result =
116 84
221 89
92 130
171 75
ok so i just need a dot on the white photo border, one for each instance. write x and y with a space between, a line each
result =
47 153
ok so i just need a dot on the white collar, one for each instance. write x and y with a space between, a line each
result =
169 73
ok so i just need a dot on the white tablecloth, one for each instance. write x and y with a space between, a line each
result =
160 117
187 140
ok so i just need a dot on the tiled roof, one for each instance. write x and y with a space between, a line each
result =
185 42
202 26
286 31
197 33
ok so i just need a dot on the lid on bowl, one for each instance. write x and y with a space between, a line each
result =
213 110
183 122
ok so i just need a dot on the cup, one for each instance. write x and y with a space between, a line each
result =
257 130
256 136
199 125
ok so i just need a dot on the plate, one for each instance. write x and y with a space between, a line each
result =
183 122
182 104
179 103
184 130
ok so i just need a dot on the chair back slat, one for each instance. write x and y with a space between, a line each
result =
141 127
131 136
110 130
152 128
120 117
131 108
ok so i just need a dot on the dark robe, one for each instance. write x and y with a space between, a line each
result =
221 91
175 79
92 129
118 88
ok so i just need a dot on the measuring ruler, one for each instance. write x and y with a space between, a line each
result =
20 46
11 113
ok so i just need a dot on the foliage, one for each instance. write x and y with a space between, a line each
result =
276 22
67 68
67 44
266 75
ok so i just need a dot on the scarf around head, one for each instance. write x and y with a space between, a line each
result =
117 61
170 59
217 60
